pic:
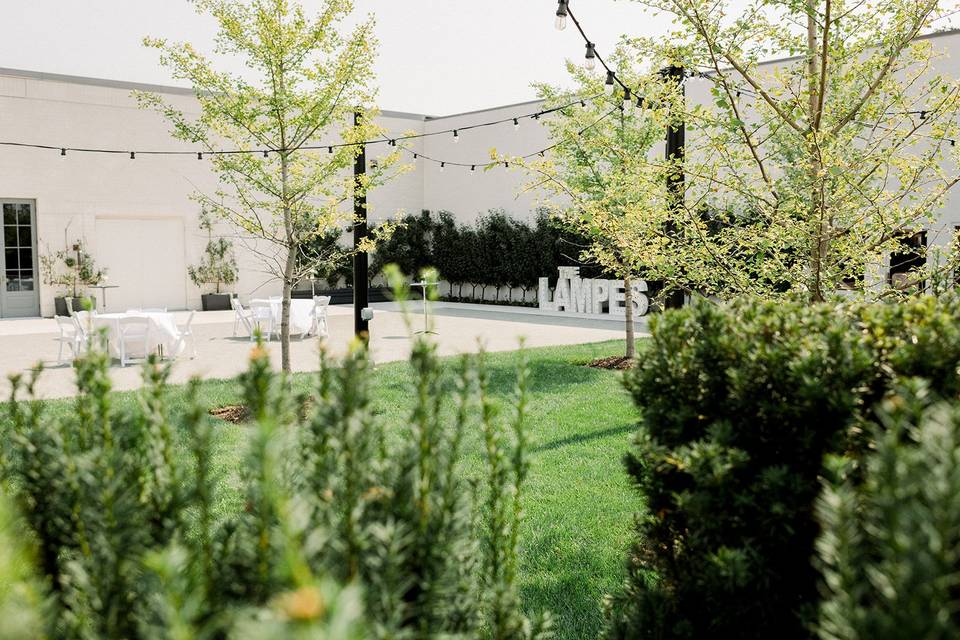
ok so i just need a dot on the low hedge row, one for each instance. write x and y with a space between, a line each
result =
740 405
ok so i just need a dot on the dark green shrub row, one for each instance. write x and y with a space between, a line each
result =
350 527
497 253
740 405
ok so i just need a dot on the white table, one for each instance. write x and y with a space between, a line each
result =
301 314
162 332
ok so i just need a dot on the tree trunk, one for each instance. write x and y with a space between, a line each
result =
288 270
818 246
628 318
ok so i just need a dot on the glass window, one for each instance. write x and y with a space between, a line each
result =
13 281
26 281
26 239
9 214
10 236
23 215
10 260
26 259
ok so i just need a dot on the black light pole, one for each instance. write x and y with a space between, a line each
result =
676 139
361 326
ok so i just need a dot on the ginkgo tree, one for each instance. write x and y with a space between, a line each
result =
296 115
602 178
804 175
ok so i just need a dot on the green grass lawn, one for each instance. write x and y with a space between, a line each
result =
578 502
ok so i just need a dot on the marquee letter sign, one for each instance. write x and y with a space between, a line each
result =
593 295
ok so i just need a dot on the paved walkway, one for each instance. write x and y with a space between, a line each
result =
460 328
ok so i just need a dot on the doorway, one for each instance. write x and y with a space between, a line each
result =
19 281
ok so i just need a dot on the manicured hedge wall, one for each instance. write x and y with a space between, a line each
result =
498 254
740 404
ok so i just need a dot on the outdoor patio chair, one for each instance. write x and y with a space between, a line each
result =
185 337
241 316
261 317
319 316
133 331
70 336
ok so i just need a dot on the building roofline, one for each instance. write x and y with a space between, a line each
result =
470 113
142 86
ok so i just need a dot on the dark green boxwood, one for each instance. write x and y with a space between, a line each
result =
740 404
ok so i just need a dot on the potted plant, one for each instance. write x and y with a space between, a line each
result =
73 270
217 269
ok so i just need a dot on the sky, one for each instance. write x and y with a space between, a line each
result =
436 57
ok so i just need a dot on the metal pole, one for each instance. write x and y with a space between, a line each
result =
361 327
675 151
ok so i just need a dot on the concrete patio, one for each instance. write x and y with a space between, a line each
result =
460 328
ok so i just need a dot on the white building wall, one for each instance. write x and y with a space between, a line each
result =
96 197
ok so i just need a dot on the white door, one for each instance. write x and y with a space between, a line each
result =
19 290
144 259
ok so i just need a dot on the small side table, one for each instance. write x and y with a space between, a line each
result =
103 292
423 285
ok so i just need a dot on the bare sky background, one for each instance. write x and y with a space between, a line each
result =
436 56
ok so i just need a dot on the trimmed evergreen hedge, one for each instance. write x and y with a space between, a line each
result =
740 405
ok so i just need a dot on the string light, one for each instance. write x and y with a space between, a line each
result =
329 149
516 124
266 154
199 155
627 99
456 136
63 152
442 166
608 85
591 60
561 22
133 156
473 167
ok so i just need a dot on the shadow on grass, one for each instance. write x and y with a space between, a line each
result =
583 437
570 582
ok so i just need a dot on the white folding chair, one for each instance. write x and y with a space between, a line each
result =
185 337
70 336
319 317
155 310
241 316
261 316
133 331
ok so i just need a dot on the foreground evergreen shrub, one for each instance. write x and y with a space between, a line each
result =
890 549
351 527
740 405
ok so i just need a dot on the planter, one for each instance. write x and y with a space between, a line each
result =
76 304
216 301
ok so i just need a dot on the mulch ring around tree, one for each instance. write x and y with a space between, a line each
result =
233 413
617 363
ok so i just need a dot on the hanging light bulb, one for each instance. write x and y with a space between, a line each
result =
456 136
591 61
199 155
329 149
63 152
516 124
442 165
266 154
608 85
627 99
561 22
639 104
133 155
473 167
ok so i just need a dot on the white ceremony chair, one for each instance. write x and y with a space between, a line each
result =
155 310
261 317
133 331
185 337
319 318
70 336
241 316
